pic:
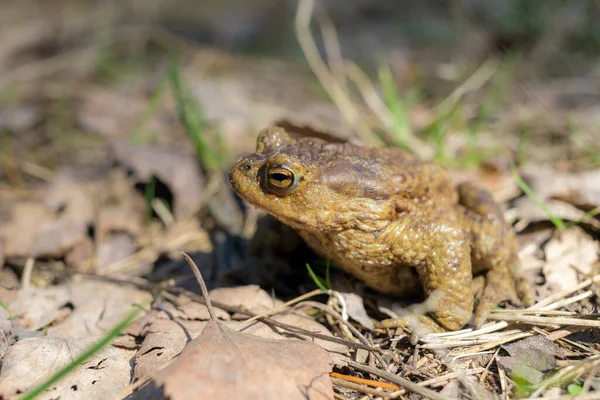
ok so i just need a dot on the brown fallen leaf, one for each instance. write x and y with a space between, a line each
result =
2 251
355 307
96 307
577 188
163 340
7 333
568 256
103 376
36 308
177 167
530 358
225 364
251 298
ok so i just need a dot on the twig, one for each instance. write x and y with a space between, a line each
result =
274 310
352 329
560 295
358 387
548 321
403 382
369 382
203 288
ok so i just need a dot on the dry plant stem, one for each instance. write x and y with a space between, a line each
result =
569 300
275 310
452 375
588 381
487 367
579 368
163 212
405 383
27 270
560 295
368 382
359 388
333 50
548 321
319 68
584 396
203 288
352 329
479 78
287 327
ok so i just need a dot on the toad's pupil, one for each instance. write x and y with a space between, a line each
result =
278 176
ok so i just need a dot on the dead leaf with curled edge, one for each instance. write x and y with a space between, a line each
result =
569 255
30 361
225 364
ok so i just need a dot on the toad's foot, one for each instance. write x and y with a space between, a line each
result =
420 324
499 285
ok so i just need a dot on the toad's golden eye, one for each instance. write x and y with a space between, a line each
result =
280 177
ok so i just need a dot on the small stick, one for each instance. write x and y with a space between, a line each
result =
405 383
203 288
284 305
368 382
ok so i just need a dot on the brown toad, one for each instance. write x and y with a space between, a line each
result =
397 223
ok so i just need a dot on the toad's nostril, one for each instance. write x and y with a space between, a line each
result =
245 166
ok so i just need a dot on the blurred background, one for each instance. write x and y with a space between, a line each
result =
173 92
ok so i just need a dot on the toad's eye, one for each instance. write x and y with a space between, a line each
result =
280 178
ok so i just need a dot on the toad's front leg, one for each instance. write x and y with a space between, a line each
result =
440 251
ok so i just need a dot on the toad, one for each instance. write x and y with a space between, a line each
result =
397 223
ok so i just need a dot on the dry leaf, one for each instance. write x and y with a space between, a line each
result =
19 232
36 308
164 339
103 376
177 167
251 298
7 335
355 307
530 358
114 248
568 255
224 364
190 310
580 188
97 307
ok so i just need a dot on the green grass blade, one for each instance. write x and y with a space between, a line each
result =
192 119
401 125
84 356
318 281
560 225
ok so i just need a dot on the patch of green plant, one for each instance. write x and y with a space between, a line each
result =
593 152
589 214
322 283
523 145
139 134
149 194
490 106
397 106
6 308
195 124
574 388
558 222
105 341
